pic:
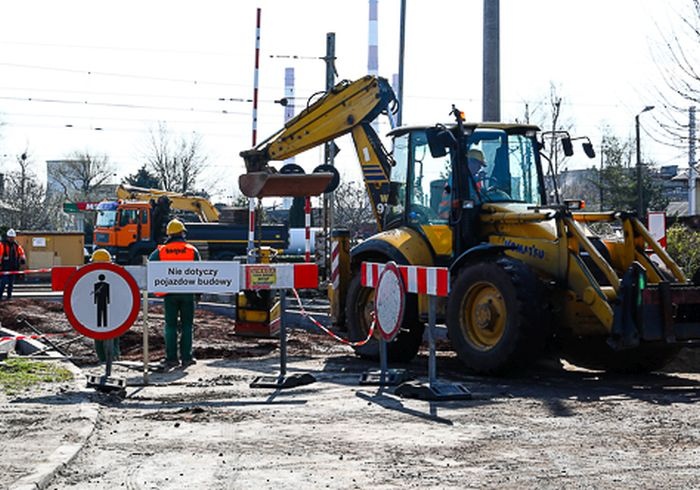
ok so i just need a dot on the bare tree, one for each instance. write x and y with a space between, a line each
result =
352 209
177 162
677 60
82 174
24 192
548 115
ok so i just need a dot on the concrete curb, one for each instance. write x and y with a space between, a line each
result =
44 472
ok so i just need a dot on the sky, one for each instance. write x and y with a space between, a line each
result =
99 76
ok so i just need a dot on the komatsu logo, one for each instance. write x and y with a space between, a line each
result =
530 250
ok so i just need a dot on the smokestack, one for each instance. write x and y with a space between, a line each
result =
289 96
491 108
373 54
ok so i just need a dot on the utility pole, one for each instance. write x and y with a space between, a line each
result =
640 186
692 174
491 108
329 155
600 177
402 49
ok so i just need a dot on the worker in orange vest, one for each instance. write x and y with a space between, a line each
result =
12 259
177 305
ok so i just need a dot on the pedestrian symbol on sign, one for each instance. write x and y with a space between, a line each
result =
101 292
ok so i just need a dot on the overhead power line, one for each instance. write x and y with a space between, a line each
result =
121 105
120 75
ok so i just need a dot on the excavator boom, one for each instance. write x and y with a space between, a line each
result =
196 204
349 107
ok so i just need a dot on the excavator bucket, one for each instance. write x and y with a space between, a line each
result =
264 184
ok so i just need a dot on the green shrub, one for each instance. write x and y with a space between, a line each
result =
684 247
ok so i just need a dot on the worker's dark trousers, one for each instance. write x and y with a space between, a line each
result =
178 305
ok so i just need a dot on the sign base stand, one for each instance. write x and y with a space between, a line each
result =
377 377
434 392
106 384
282 381
384 376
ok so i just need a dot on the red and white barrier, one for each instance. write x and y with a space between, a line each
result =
279 276
335 265
434 281
28 271
33 336
307 229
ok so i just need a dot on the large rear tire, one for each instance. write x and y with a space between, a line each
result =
360 305
495 317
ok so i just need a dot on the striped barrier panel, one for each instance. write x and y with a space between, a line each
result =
335 265
433 281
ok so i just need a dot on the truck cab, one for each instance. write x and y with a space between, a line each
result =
125 229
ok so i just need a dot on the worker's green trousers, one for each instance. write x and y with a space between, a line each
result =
100 349
178 305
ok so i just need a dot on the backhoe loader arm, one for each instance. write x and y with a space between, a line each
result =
196 204
336 113
349 107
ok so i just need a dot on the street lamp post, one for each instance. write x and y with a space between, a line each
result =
640 192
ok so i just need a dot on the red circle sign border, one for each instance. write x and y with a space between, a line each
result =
68 292
391 267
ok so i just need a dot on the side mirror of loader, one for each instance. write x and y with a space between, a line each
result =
438 141
567 146
588 149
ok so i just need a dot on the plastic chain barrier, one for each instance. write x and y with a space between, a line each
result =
333 335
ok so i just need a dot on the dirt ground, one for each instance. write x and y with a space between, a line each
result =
205 427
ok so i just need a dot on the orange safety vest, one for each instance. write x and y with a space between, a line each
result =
177 251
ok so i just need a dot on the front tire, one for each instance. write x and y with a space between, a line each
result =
360 305
495 317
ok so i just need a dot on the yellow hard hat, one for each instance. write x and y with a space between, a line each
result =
175 226
101 255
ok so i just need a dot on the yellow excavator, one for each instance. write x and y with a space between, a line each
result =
525 272
198 205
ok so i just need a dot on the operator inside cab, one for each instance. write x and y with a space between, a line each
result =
475 162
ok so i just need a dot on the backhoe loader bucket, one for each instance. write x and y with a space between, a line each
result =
264 184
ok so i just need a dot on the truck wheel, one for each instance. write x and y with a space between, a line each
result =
595 353
360 305
494 316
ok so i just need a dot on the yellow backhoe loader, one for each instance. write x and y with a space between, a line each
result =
524 271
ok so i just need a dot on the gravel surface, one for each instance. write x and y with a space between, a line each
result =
204 427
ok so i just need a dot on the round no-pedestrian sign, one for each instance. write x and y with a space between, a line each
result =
389 300
101 300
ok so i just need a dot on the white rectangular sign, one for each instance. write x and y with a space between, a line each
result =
193 277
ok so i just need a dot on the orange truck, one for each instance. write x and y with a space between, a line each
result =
131 227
